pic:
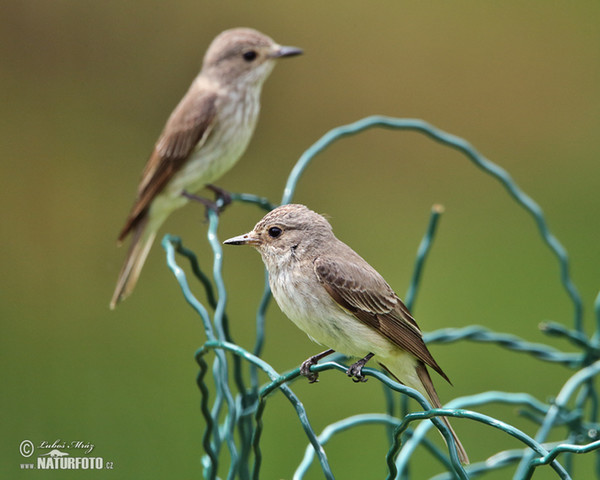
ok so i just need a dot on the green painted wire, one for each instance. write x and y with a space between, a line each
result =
220 366
414 394
171 244
527 400
525 469
262 202
596 336
489 167
282 380
480 161
260 329
495 462
552 454
249 397
277 382
224 395
477 333
244 425
336 428
220 369
266 205
211 436
211 460
221 324
576 338
411 295
356 421
219 317
422 253
533 444
459 405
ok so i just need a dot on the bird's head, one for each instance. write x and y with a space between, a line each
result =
289 232
243 55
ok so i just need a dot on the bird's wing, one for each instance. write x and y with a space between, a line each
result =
361 290
187 128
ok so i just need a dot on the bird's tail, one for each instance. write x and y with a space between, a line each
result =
422 382
142 240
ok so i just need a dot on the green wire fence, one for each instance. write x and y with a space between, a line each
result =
234 419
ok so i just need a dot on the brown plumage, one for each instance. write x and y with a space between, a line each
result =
340 301
374 304
203 138
186 130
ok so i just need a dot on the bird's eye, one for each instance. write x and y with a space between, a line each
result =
274 232
249 55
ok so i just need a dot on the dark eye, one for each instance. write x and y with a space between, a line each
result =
249 55
274 232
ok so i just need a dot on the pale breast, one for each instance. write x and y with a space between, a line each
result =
306 302
225 144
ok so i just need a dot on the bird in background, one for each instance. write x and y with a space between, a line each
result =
340 301
203 138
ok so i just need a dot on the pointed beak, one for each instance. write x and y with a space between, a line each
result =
286 52
245 239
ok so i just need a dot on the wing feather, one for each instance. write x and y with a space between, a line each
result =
187 128
361 290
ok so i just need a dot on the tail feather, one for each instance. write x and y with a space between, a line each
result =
435 401
427 387
136 256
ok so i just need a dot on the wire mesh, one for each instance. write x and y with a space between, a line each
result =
233 411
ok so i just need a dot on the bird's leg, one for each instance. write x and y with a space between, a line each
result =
210 204
355 370
309 362
220 194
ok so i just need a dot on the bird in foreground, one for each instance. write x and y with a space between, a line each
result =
203 138
340 301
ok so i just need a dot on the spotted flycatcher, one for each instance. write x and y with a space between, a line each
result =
203 138
340 301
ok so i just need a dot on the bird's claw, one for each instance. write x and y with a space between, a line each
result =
305 370
355 372
220 194
209 205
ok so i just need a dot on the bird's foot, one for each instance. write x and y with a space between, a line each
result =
309 362
209 204
220 194
355 370
305 369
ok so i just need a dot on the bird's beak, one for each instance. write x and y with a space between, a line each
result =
285 52
245 239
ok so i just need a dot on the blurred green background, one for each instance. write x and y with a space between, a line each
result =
86 88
